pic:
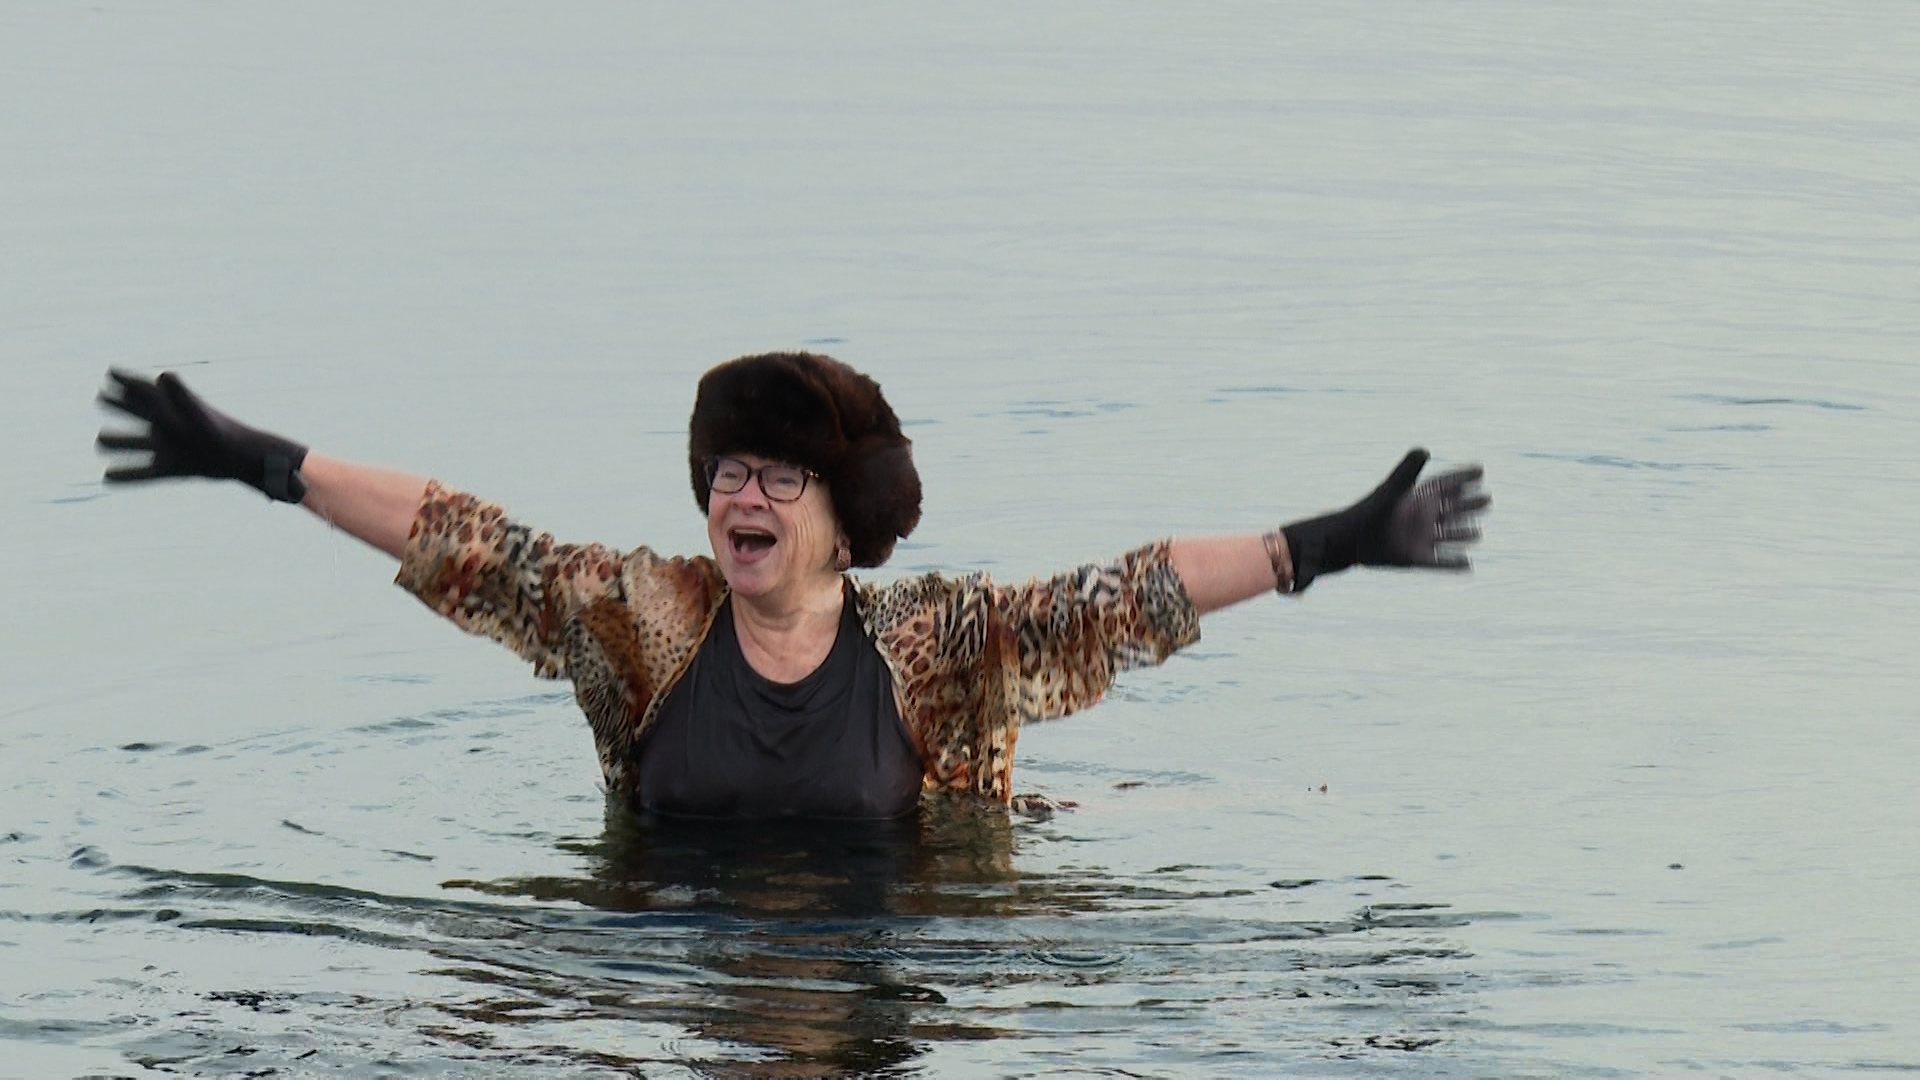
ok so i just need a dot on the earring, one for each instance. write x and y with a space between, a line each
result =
842 556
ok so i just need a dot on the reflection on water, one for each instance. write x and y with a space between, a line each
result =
1128 270
800 927
858 869
794 950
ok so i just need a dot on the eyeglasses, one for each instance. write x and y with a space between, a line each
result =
781 483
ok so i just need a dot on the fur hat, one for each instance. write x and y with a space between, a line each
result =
814 411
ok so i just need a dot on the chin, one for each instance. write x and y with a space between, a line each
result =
748 587
748 580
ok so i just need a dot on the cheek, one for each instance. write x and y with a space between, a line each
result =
817 531
717 507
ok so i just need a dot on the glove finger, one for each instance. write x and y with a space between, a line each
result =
1405 473
1397 483
184 402
132 395
1451 483
1456 533
1452 561
143 399
132 384
1472 504
129 474
128 381
114 440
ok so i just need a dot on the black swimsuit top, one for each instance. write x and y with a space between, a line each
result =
729 743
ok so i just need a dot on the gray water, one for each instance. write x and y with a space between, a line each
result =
1633 799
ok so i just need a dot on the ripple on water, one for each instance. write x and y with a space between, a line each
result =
837 950
1618 461
1778 402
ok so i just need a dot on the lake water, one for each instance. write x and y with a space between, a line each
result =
1636 798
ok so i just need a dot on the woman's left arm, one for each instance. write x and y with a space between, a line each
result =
1221 571
1063 639
1398 525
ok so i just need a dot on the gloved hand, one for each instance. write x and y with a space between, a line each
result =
188 437
1398 525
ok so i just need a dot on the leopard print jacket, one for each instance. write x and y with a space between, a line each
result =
972 660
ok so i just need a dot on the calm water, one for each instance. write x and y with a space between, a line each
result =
1636 798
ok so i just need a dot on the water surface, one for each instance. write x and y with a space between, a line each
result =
1633 799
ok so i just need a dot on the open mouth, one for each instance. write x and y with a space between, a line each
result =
747 541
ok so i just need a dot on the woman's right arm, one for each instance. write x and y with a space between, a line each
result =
462 556
370 502
184 437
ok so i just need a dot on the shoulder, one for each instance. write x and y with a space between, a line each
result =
898 603
646 564
671 586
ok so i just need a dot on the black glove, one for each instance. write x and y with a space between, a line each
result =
188 437
1397 525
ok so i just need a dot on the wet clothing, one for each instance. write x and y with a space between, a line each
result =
970 660
731 743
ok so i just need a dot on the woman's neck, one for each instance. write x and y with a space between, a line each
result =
785 637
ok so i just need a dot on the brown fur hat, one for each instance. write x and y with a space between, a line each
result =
815 411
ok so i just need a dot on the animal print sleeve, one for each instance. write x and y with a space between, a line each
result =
495 577
1075 632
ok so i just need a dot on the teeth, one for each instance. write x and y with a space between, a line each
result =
751 539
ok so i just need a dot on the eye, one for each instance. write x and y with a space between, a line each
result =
783 481
729 473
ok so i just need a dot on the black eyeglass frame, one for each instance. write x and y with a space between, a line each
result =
755 475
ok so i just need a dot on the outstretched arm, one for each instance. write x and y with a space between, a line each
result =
1398 525
1221 571
467 560
375 504
186 437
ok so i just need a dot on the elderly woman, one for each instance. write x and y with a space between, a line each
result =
764 681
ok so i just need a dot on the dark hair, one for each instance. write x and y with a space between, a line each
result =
815 411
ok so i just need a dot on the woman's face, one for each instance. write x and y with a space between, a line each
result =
765 547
